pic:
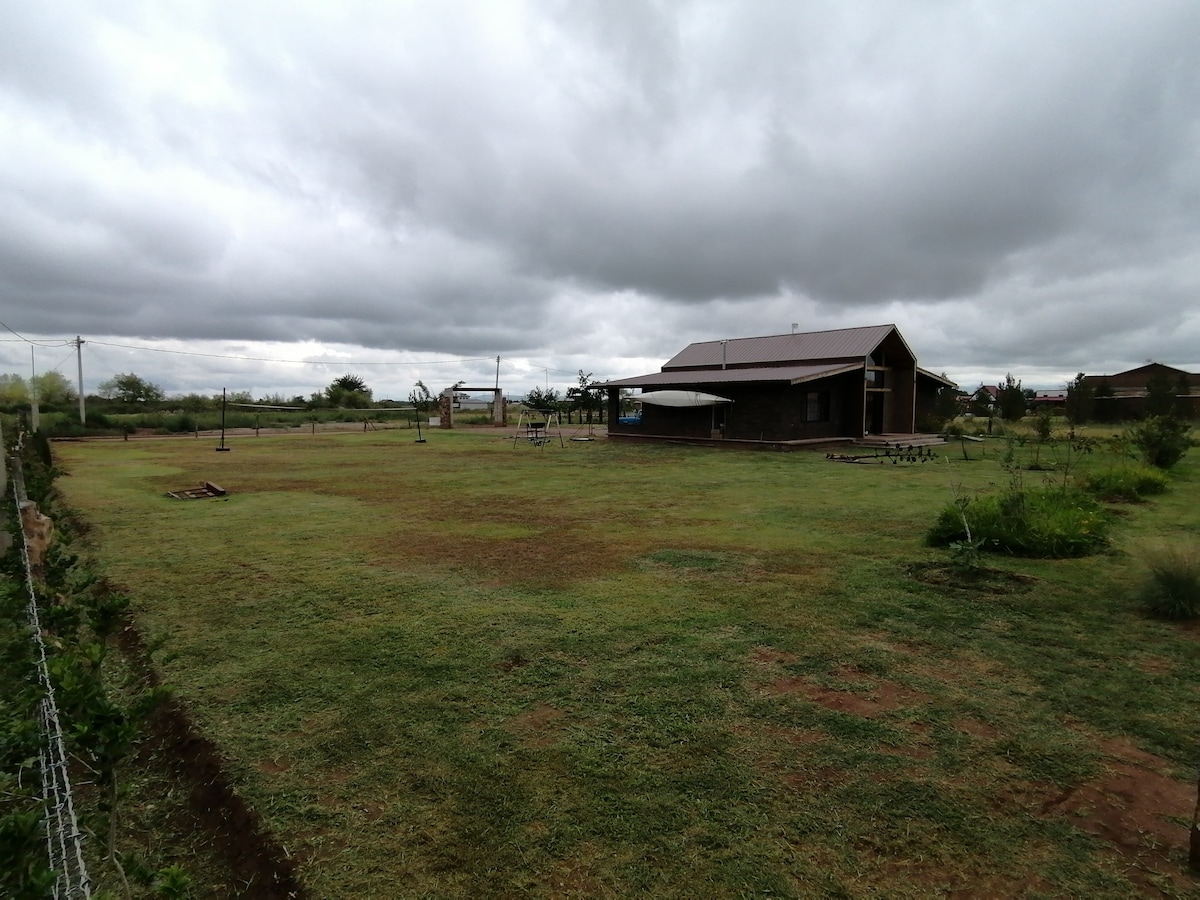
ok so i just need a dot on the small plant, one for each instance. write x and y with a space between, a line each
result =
173 882
1172 586
1046 523
1161 440
1043 430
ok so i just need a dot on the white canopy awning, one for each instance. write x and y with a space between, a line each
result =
678 398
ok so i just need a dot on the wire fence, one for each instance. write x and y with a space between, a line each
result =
64 839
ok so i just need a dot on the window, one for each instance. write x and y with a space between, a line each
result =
816 406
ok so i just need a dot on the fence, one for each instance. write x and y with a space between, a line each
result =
64 840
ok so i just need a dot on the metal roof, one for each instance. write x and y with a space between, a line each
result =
940 379
838 344
785 374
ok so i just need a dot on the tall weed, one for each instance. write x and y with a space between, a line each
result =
1171 589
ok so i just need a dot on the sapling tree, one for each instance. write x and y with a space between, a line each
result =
1043 431
1080 400
1160 394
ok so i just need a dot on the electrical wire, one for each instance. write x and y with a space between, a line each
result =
306 362
34 343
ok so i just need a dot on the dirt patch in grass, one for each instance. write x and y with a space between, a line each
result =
770 656
976 729
876 698
980 579
1131 807
498 560
1135 806
1155 665
537 727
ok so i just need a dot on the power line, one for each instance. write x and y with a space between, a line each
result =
305 362
28 341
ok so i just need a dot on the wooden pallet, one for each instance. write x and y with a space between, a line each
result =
205 491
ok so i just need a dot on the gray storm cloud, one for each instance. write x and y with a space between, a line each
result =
467 178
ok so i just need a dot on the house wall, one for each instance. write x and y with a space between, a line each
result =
759 412
900 409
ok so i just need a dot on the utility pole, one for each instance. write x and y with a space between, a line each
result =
79 360
34 417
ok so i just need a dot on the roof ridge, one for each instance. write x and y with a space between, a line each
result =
760 337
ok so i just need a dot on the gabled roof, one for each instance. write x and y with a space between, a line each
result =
782 374
782 349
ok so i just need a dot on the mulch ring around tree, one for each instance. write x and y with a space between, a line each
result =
976 578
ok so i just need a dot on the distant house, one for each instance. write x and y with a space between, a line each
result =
1051 400
1123 395
814 386
985 397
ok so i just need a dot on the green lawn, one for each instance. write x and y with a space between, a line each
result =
463 669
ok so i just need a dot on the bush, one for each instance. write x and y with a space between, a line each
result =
1172 586
1129 484
1048 523
1162 440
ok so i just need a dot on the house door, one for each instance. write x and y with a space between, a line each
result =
873 420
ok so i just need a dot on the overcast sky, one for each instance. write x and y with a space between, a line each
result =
409 190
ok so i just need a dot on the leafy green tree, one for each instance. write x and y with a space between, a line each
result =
53 389
1081 400
1160 394
422 398
582 396
545 399
1012 399
945 406
1162 440
195 403
348 391
13 390
129 388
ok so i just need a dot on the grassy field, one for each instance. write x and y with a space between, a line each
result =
463 669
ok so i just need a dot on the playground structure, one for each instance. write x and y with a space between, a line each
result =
446 404
534 428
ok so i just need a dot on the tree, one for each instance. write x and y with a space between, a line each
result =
349 391
582 396
421 398
129 388
945 406
13 390
545 400
53 389
1080 400
1012 399
1160 394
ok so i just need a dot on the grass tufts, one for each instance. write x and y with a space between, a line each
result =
1171 589
1131 483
